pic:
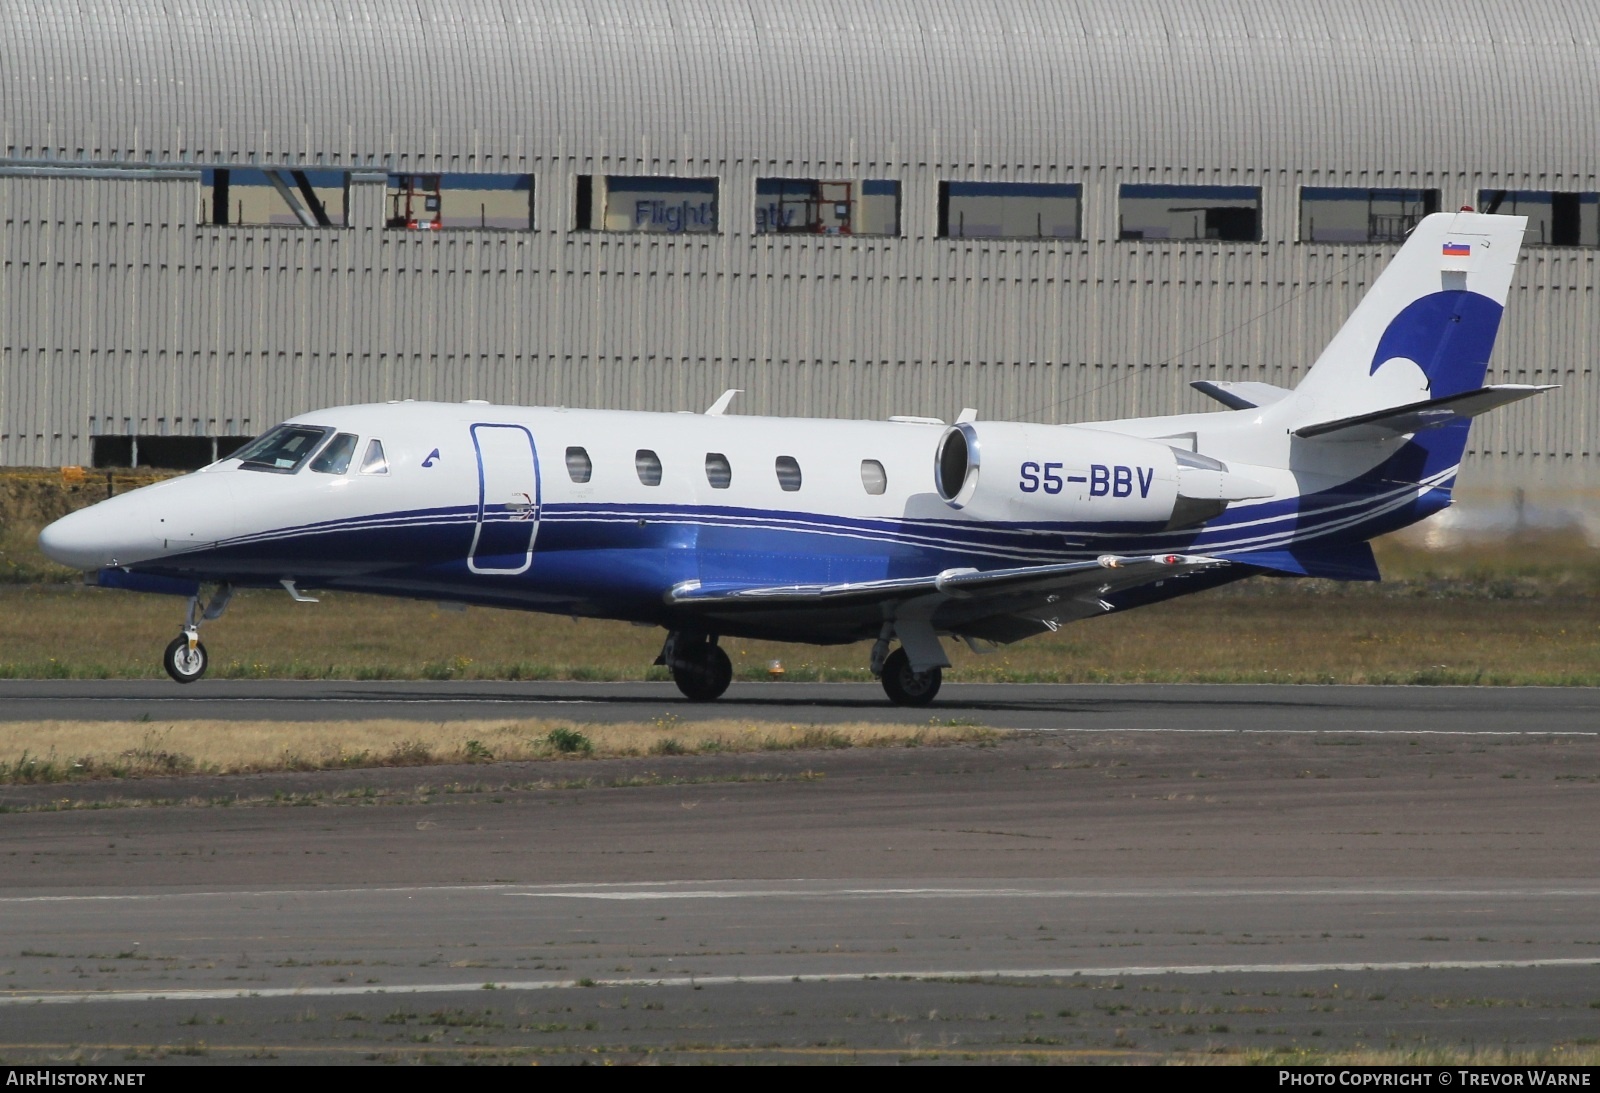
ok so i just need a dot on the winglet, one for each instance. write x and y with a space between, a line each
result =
724 400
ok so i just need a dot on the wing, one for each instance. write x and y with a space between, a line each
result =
996 604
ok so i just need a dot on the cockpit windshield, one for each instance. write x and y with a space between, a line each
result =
281 450
335 458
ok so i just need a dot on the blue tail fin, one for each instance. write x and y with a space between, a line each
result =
1425 330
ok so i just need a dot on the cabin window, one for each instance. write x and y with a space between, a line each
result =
648 464
817 206
1555 219
374 462
873 477
648 203
1226 213
718 472
1010 210
579 467
1349 215
449 202
788 473
281 450
275 196
335 458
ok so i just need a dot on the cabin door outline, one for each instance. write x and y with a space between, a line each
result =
508 500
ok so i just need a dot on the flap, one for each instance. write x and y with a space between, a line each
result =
1428 414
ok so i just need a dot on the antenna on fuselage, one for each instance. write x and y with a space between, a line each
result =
724 400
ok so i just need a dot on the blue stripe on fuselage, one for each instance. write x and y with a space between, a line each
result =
620 559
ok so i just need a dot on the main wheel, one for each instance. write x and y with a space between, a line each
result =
703 675
183 663
905 687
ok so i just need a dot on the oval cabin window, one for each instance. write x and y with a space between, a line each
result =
788 473
873 477
648 464
579 467
718 471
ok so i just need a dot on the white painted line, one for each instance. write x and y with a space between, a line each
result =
636 891
1050 893
203 995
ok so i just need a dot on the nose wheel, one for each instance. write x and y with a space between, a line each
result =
185 659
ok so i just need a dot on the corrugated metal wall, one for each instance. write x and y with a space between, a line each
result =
121 312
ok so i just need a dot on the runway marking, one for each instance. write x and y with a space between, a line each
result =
1048 893
213 995
636 891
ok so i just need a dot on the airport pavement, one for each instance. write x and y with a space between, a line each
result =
1060 896
1120 707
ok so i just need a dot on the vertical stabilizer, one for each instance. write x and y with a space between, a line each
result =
1426 328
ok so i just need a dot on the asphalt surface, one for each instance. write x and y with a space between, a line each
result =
1012 706
1064 896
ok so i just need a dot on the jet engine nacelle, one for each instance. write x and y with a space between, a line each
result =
1015 472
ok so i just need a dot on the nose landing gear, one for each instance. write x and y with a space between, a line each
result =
699 667
185 659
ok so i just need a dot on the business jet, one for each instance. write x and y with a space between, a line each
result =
904 532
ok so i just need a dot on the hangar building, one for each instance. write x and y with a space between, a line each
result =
215 214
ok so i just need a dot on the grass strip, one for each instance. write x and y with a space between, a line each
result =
42 752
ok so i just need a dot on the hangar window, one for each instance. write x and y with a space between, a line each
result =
579 467
451 201
178 453
1010 210
873 477
1345 215
827 206
788 469
275 197
648 466
1555 218
718 471
625 203
1229 213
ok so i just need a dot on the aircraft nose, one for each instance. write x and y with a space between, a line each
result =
82 540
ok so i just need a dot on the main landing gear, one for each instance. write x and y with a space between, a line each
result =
185 659
699 667
904 686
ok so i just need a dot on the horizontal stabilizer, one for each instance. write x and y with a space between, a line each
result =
1429 414
1240 396
1338 562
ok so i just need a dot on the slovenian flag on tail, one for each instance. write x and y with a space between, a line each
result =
1458 250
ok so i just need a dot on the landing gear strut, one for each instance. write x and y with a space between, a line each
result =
906 687
185 659
699 667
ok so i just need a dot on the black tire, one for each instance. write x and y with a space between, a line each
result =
905 687
706 676
181 665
